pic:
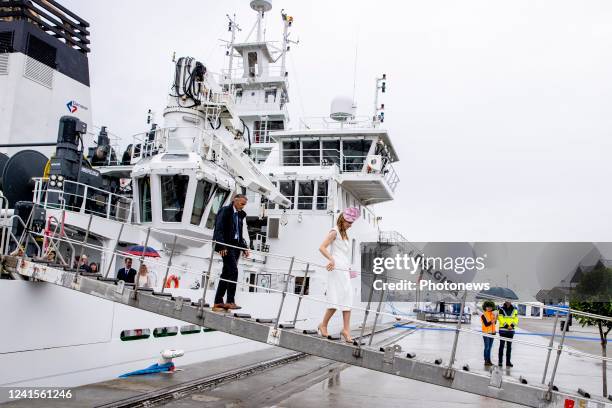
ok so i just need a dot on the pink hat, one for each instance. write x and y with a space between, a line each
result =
351 214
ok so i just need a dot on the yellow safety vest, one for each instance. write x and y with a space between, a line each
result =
510 319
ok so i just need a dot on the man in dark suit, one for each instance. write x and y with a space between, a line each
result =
127 273
228 231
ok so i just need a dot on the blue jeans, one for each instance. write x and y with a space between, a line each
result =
488 344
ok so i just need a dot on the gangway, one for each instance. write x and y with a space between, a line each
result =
271 331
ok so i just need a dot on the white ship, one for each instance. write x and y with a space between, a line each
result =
221 134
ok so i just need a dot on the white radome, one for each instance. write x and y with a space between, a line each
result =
342 109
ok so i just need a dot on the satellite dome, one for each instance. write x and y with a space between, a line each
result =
342 109
261 5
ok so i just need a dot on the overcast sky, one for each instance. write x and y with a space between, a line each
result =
501 111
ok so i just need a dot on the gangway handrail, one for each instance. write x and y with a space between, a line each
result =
519 392
414 320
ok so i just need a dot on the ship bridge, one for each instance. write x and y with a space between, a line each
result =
363 154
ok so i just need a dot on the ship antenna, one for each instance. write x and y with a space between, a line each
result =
232 27
355 66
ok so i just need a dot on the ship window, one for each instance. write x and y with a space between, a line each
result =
354 153
287 188
219 198
291 153
299 282
305 195
270 95
311 153
173 191
252 60
135 334
202 196
144 193
331 152
165 331
322 195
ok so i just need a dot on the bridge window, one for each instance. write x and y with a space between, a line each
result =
202 197
354 153
270 95
331 152
291 153
305 195
322 195
287 188
144 193
219 198
311 153
252 61
173 191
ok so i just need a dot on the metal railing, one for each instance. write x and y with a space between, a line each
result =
82 198
296 264
323 122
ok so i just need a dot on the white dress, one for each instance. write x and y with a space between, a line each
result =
339 289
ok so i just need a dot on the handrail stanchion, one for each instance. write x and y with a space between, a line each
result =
109 205
552 339
77 266
114 253
206 276
84 203
297 308
548 394
382 295
169 264
357 352
144 248
449 370
280 307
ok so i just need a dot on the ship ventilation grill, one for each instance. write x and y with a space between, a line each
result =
38 72
4 63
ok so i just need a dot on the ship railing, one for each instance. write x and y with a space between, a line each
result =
346 163
238 73
82 198
323 122
168 140
248 105
302 267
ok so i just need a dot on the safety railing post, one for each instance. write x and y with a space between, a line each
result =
550 345
365 319
77 266
108 206
280 307
206 276
112 259
382 295
297 308
559 351
169 264
144 248
84 203
451 361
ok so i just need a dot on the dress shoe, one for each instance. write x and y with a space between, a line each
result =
509 364
232 306
219 307
488 363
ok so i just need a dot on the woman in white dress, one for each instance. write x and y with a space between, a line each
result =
339 289
144 279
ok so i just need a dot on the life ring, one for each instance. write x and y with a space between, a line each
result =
172 282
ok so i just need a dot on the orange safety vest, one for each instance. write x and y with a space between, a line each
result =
488 317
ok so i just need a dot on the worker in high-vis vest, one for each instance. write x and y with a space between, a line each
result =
488 319
508 322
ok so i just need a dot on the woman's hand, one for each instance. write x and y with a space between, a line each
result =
331 265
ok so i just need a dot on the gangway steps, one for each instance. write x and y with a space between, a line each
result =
389 360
